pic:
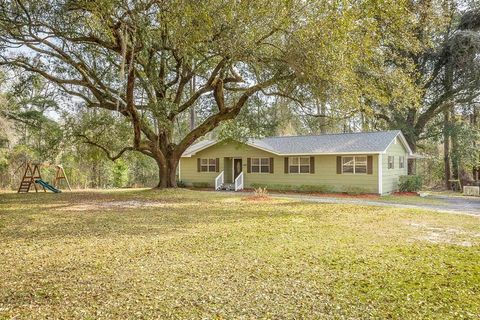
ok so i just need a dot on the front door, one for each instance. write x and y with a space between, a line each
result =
237 168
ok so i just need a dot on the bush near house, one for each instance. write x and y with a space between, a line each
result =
410 183
181 184
200 184
354 190
302 188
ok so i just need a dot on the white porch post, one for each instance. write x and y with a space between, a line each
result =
380 173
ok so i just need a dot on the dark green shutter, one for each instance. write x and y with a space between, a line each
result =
286 164
217 164
198 164
339 165
369 164
249 165
312 164
271 165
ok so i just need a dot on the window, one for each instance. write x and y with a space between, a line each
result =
354 164
208 165
361 164
391 160
401 162
260 165
299 165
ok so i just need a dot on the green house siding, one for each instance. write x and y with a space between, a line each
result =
390 176
325 170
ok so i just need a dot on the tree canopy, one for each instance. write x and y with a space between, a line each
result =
150 62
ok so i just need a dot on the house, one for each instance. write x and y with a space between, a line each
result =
367 162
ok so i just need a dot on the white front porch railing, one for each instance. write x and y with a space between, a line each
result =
239 182
219 181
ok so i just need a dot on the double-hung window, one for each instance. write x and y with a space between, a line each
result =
208 165
401 162
354 164
299 165
260 165
391 162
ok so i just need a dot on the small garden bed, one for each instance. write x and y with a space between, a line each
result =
331 194
406 193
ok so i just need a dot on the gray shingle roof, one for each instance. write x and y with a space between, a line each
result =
368 142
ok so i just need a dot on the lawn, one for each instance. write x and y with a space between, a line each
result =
184 254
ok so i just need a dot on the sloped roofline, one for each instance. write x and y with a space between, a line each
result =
214 142
403 140
248 143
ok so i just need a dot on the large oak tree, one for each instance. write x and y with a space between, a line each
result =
445 68
137 59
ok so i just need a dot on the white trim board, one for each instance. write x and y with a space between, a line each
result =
380 173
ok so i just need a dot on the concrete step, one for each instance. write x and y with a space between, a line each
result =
228 187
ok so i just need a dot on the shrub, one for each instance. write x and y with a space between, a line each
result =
354 190
181 184
120 172
410 183
200 184
322 188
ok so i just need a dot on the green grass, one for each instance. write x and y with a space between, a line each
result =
200 255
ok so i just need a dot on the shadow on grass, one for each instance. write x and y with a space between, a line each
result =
101 215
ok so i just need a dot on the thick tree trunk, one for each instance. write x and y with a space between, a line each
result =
167 172
322 111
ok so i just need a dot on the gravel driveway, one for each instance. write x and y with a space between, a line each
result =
458 204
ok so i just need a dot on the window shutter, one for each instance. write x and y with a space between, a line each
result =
198 164
312 164
217 164
286 164
249 165
271 165
369 164
339 165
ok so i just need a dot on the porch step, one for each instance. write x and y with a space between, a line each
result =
227 186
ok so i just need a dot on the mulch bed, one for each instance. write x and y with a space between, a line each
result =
405 193
371 196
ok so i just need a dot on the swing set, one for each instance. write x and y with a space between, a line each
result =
33 177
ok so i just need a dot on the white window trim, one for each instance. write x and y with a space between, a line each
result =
208 165
259 165
354 160
298 157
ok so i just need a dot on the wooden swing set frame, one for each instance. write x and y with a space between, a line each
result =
32 173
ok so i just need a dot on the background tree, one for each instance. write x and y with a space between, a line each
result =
446 69
136 59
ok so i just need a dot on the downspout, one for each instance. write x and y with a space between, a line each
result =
180 169
380 173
